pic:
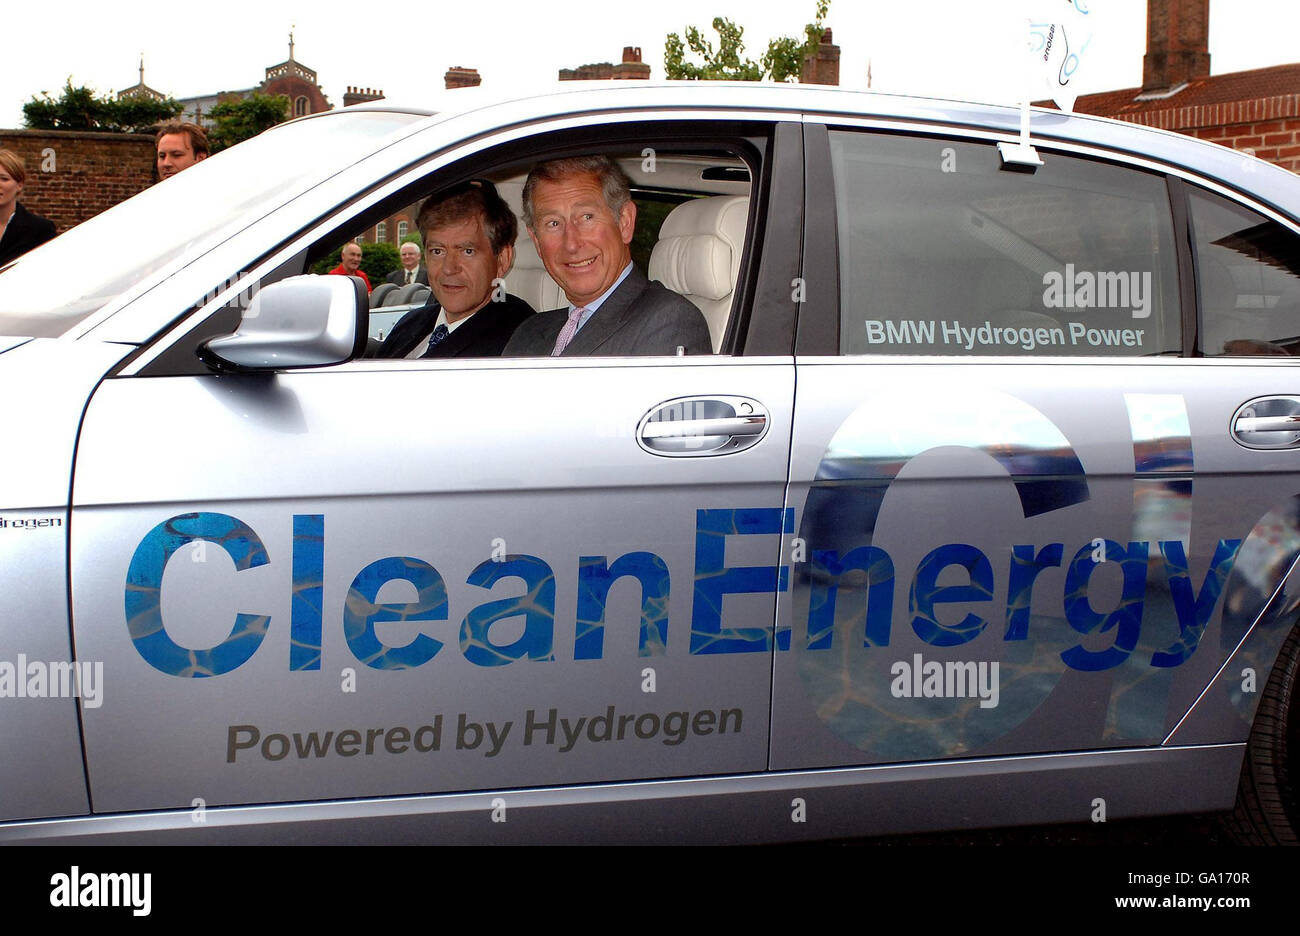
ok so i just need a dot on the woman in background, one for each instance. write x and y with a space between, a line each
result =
22 229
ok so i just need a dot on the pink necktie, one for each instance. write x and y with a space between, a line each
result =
567 332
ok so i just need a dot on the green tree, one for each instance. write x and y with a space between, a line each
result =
79 108
782 61
141 113
237 121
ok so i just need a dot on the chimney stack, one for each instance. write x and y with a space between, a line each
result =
361 95
458 77
1178 43
823 66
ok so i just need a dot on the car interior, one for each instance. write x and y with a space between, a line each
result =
692 215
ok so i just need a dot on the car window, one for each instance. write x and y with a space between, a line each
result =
943 252
696 251
1249 276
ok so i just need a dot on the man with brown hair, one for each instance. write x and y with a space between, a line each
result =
469 246
180 145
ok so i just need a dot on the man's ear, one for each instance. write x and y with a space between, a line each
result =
200 157
505 260
627 221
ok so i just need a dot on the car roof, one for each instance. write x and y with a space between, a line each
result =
1262 180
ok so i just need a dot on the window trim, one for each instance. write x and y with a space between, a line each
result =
819 315
1189 280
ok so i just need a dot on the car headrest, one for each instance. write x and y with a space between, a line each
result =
700 245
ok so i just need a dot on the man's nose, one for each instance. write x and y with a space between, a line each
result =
571 239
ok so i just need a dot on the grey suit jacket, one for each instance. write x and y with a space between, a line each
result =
640 317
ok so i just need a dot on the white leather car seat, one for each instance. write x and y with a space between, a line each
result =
698 255
528 278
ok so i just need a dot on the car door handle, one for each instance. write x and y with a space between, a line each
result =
702 425
733 426
1268 423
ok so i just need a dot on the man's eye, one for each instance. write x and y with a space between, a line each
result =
469 251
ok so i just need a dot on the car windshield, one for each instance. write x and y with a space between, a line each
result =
55 286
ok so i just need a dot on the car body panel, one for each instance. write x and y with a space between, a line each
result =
592 498
46 383
375 601
1149 461
709 810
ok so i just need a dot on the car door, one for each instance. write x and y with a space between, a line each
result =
1021 515
397 577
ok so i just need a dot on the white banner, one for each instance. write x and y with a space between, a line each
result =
1060 34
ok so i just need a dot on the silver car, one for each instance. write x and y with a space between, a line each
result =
985 510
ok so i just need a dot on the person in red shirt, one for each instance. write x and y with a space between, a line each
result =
351 265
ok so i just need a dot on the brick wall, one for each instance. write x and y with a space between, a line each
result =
84 173
1270 127
1277 141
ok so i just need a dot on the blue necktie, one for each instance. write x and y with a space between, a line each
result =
439 333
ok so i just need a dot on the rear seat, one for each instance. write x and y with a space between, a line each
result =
698 255
528 278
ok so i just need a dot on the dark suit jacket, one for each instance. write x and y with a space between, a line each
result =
398 276
483 334
25 231
640 317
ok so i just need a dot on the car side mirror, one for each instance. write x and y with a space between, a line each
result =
301 321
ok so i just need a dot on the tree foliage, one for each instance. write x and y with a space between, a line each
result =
237 121
79 108
783 60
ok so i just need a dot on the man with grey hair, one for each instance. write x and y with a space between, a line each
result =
581 218
410 271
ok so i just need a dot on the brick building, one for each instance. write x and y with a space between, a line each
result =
140 89
630 68
397 226
1256 110
291 78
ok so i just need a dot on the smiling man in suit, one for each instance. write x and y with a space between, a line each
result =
469 237
410 271
581 217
